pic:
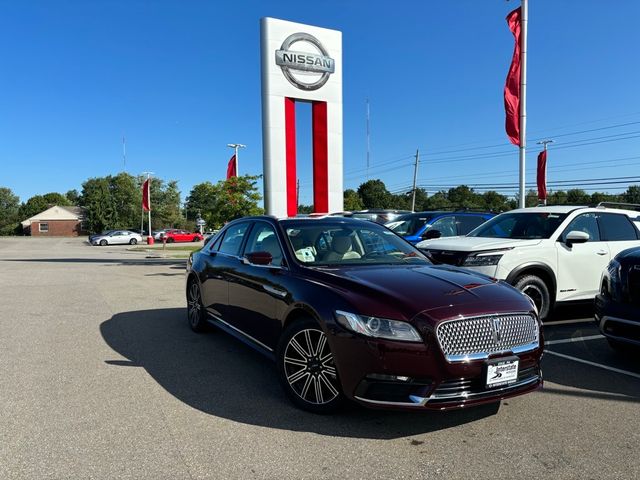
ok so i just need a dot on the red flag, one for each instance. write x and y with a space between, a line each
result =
145 195
512 85
231 168
542 175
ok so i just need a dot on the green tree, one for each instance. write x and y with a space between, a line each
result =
438 201
9 207
96 198
352 201
305 208
374 194
464 197
558 197
632 195
576 196
202 201
73 196
237 197
494 202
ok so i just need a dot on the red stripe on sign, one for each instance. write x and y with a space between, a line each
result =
320 159
290 140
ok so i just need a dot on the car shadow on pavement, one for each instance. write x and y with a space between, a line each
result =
218 375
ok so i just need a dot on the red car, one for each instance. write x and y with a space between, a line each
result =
182 236
348 309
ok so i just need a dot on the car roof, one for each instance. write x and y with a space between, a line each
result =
571 208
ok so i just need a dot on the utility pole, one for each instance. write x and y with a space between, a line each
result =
544 146
297 193
523 97
235 147
368 139
415 178
124 153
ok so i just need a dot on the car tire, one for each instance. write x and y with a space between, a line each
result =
306 369
196 314
170 240
103 243
535 288
133 241
195 239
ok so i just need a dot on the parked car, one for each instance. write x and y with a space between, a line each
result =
96 235
349 310
377 215
117 237
415 227
618 303
158 234
181 236
553 254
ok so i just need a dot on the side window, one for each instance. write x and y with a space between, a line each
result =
445 225
615 227
587 223
232 240
263 239
466 223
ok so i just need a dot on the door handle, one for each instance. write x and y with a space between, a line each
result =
601 252
275 291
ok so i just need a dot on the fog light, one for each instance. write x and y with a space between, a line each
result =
388 378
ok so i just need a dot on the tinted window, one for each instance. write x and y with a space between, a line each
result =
232 240
520 225
263 239
408 224
466 223
615 227
446 226
586 223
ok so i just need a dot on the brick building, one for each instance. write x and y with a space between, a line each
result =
56 222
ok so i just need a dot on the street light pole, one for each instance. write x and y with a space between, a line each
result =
523 98
235 147
415 178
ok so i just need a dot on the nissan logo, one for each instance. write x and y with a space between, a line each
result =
296 65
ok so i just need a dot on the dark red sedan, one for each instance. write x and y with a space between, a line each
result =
348 309
182 236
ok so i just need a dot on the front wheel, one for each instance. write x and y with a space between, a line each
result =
103 243
195 239
535 288
133 241
170 240
306 368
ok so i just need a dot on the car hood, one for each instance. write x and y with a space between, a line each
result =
438 291
472 244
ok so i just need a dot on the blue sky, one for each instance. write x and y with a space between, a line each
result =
182 79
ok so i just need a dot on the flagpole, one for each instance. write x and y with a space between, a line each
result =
149 200
235 147
523 98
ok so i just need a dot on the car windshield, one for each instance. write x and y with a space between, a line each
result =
520 225
409 224
324 243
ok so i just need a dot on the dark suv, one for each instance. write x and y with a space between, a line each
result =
618 304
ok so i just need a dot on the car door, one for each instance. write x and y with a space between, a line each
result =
257 292
580 265
445 225
222 259
618 231
119 238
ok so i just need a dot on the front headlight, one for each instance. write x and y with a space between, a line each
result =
482 260
378 327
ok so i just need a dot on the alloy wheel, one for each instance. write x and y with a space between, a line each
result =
194 305
535 294
309 367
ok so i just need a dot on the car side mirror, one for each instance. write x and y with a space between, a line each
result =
576 236
259 258
429 234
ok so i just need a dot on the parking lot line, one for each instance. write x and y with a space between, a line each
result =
571 340
567 322
593 364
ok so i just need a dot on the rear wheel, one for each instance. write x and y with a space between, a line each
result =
103 243
170 240
535 288
195 309
306 368
195 239
133 241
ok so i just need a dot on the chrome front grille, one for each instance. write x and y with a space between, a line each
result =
478 337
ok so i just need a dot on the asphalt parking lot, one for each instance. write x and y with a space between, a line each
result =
102 378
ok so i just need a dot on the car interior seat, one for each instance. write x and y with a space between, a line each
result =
341 249
270 244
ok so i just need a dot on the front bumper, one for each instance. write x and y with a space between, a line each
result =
618 321
414 376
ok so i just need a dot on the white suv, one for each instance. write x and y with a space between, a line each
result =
552 254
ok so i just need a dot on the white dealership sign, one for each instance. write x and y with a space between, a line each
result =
301 63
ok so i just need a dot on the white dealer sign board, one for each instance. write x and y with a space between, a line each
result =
301 63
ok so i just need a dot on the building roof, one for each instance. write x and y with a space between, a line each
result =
56 213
